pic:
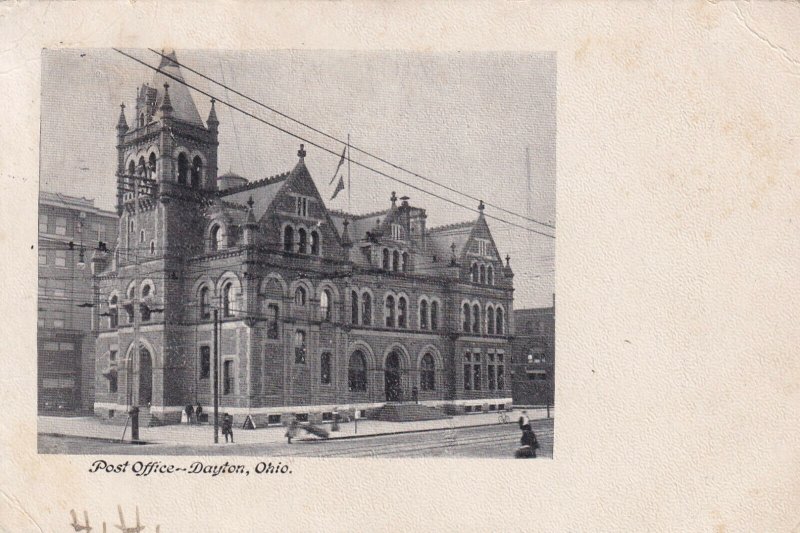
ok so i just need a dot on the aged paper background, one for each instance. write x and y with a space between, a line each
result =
677 264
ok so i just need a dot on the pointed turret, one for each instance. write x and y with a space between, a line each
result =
481 207
250 224
346 241
166 103
212 117
122 124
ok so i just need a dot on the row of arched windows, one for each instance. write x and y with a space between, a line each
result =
146 293
471 319
300 240
357 371
394 260
482 273
229 301
189 173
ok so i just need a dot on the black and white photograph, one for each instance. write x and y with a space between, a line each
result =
325 254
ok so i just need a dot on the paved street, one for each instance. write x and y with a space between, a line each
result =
491 441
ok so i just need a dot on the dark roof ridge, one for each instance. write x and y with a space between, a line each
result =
456 225
255 184
233 205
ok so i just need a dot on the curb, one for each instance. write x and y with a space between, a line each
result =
99 439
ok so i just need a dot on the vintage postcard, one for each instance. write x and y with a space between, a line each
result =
292 267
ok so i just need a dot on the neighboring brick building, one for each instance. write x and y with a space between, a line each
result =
533 350
318 308
65 343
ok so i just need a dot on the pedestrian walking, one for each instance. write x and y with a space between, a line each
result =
227 427
291 431
528 445
189 414
524 421
198 411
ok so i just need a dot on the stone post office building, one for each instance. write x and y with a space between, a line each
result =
318 308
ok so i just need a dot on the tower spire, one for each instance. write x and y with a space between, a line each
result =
166 105
212 115
122 124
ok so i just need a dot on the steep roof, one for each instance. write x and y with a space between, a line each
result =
182 102
359 224
441 238
263 192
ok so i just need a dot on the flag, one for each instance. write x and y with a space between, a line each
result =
341 162
339 187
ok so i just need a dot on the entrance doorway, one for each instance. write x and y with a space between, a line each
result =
145 377
392 377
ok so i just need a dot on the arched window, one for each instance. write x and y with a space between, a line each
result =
325 305
405 262
300 296
490 275
217 240
483 275
288 239
273 312
366 309
227 299
302 241
357 372
205 312
146 290
434 315
490 321
314 243
427 374
395 261
131 292
386 259
499 321
141 119
325 369
131 168
144 312
465 318
141 168
389 311
197 171
476 319
152 164
113 313
183 168
474 272
152 248
354 307
300 347
141 236
402 312
423 314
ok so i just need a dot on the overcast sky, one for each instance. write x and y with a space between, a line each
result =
462 119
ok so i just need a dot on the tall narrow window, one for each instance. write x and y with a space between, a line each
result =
113 313
288 239
434 315
404 262
476 371
272 316
112 382
217 238
389 311
197 171
465 318
314 243
395 261
325 369
205 311
300 347
300 296
402 312
354 307
183 168
490 374
325 305
423 314
490 275
386 261
205 362
357 372
141 168
476 319
227 377
152 165
227 300
301 206
501 380
427 373
467 371
490 320
483 275
302 241
366 309
499 321
475 273
144 312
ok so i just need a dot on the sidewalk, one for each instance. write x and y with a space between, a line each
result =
90 427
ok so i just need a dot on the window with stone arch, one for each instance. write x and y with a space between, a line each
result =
395 261
354 307
389 311
113 312
300 296
141 168
366 309
465 315
475 273
490 320
216 238
423 314
131 169
315 243
205 307
357 372
490 275
197 172
288 239
404 266
152 164
427 373
402 312
325 301
302 241
386 260
325 368
476 318
499 321
228 298
483 275
183 168
434 315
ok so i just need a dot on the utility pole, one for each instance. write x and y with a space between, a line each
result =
216 377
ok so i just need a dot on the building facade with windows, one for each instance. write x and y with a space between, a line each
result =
64 337
316 308
533 352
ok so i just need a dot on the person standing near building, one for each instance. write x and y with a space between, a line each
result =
198 411
227 427
524 421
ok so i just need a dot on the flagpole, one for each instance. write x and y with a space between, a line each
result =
348 172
